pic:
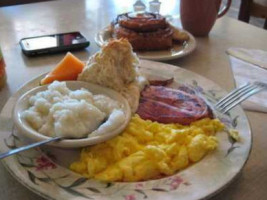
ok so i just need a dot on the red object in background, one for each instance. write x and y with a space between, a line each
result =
2 70
199 16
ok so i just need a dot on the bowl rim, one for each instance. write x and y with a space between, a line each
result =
34 135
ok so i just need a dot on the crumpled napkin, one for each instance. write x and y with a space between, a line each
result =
249 65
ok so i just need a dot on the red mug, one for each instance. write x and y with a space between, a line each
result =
199 16
2 70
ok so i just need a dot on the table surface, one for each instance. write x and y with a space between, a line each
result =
208 60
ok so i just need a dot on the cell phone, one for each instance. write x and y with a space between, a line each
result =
53 43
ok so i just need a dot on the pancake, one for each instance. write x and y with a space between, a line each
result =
145 31
156 40
145 22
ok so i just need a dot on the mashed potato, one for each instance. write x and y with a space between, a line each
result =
148 150
59 111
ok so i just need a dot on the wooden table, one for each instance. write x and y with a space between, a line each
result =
209 60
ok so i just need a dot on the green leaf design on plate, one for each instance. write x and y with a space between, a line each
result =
45 180
27 164
64 176
141 192
159 190
10 146
231 139
78 182
76 193
195 83
235 121
32 177
212 93
230 150
93 190
13 134
109 185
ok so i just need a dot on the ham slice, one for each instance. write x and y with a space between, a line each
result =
168 105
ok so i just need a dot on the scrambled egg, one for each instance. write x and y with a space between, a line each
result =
148 150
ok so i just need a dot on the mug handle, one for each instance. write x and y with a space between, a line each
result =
223 11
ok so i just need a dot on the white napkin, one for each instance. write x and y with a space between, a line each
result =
249 65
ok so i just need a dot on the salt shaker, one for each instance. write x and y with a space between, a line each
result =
139 6
154 6
2 70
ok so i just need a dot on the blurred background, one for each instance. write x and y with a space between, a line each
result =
248 8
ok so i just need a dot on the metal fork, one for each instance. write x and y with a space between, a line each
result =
238 95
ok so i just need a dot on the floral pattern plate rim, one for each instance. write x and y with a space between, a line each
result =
45 172
177 51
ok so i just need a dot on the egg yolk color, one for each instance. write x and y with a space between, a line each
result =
148 150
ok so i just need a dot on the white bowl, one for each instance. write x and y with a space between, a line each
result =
25 129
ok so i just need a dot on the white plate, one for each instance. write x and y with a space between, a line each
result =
25 129
45 172
177 51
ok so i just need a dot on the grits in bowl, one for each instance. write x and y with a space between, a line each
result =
81 117
59 111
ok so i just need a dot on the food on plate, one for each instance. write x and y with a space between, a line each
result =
169 105
148 150
179 35
59 111
234 134
115 67
158 40
165 82
146 31
141 22
68 69
173 128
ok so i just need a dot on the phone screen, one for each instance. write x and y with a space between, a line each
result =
53 41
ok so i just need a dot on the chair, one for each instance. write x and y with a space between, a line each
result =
256 8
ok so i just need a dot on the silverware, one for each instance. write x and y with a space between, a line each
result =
238 95
24 148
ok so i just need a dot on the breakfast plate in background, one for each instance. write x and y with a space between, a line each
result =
177 50
45 171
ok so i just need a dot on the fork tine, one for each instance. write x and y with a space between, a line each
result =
230 106
232 98
233 93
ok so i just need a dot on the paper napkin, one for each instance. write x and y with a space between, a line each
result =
249 65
